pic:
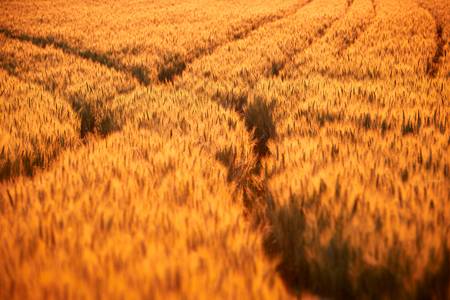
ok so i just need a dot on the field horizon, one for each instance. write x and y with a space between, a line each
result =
194 149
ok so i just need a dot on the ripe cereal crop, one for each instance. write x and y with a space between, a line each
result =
218 149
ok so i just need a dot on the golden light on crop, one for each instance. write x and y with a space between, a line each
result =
225 149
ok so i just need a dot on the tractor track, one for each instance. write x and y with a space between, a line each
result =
87 54
166 75
321 32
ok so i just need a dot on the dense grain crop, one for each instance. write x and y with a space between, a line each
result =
225 149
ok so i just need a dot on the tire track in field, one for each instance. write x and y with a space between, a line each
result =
259 201
87 129
170 65
95 116
251 180
360 29
28 163
349 5
257 115
96 119
169 70
321 32
135 71
348 42
252 188
374 5
434 62
249 177
91 128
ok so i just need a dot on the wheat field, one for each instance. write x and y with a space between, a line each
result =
194 149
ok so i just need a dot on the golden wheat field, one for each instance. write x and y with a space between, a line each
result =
225 149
